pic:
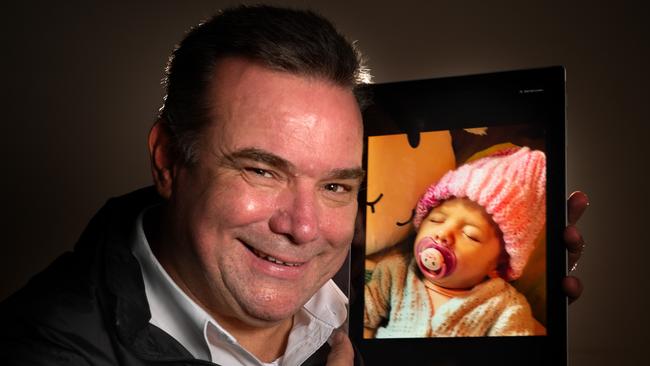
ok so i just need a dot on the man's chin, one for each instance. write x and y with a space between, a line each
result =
268 312
270 318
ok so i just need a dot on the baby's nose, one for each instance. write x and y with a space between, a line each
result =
444 238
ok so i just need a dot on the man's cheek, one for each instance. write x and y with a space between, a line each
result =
245 205
338 225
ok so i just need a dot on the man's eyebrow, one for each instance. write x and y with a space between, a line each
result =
347 173
262 156
271 159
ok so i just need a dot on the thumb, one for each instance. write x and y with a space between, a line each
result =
342 353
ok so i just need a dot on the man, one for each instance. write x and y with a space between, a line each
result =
256 159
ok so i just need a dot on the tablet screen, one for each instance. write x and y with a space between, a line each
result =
453 261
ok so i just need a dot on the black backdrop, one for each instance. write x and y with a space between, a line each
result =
80 88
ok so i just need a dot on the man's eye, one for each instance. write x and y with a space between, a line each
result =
260 172
337 188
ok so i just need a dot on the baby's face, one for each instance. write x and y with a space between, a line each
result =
457 245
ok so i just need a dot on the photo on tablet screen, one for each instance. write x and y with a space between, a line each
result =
455 244
456 257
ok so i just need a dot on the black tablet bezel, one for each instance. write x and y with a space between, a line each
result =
535 96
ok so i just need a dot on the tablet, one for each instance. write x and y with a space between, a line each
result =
486 284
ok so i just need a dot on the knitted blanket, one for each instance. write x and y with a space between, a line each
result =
398 305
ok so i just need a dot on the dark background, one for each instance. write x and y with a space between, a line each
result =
81 87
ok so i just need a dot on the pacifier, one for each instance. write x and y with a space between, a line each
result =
433 259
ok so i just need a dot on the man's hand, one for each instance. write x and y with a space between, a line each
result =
342 353
577 203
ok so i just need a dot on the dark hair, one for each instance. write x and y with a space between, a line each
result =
296 41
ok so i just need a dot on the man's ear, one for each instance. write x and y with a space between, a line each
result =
162 158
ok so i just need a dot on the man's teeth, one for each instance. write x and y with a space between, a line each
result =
271 259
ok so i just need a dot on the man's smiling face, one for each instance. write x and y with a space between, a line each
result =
266 214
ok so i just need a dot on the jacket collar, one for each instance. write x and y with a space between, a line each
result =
124 300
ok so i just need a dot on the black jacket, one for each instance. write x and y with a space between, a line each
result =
89 306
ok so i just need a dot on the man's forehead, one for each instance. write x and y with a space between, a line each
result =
297 124
243 79
255 96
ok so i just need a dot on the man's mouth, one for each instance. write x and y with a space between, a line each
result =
272 259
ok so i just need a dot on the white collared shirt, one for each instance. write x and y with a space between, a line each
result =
178 315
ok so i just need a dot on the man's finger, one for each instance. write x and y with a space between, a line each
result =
574 244
342 353
576 205
572 288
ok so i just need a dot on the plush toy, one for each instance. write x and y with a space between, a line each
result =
397 176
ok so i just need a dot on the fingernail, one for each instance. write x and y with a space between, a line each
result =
580 192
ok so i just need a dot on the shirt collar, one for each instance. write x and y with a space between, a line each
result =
171 309
178 315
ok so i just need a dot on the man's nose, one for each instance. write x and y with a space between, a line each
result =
296 216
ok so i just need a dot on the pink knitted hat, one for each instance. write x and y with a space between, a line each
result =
511 186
